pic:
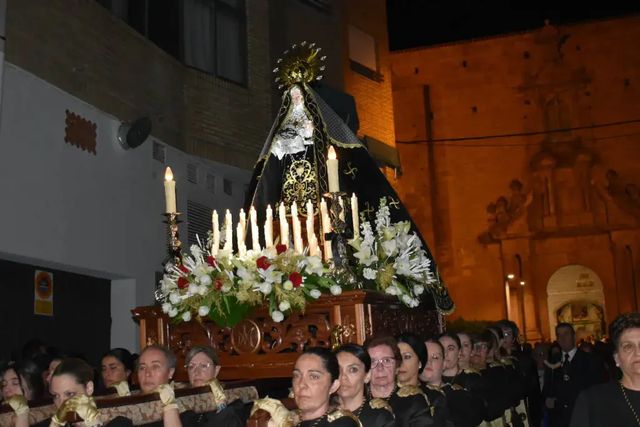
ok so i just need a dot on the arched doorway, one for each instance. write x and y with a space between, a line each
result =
574 295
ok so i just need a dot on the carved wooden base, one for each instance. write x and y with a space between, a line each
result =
258 347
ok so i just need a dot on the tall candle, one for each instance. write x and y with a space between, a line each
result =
169 191
255 234
215 226
332 171
268 228
297 228
284 225
242 249
310 224
228 232
355 219
243 222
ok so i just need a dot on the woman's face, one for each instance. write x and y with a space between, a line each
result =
312 386
408 370
432 373
201 370
65 386
10 383
451 352
465 349
627 355
352 376
113 371
153 370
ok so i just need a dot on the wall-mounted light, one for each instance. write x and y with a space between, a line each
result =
132 135
511 276
522 283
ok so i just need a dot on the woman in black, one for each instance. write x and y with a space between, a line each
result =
617 403
355 366
315 378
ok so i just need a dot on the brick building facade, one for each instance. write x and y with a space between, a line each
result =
542 225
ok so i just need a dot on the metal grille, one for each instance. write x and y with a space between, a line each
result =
211 183
192 173
199 222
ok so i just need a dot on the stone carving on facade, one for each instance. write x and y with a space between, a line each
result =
625 195
505 210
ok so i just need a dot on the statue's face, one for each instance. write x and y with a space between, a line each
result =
296 95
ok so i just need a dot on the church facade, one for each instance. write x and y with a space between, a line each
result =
520 164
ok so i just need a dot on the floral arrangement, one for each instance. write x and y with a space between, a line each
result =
392 260
226 286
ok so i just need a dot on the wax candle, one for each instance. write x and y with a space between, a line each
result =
215 226
332 171
255 234
228 231
297 228
242 250
355 218
169 191
284 225
268 228
326 228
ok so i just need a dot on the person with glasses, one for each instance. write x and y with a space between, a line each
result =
496 393
203 366
355 374
409 403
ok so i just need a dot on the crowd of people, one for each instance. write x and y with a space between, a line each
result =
454 379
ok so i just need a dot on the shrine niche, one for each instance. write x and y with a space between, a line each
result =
80 132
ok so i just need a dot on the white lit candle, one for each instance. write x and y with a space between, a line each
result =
255 234
268 228
215 226
243 222
228 232
284 225
355 219
310 223
332 171
297 228
169 191
242 250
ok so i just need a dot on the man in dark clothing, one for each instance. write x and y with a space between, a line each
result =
579 371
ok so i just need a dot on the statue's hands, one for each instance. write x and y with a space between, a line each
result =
19 404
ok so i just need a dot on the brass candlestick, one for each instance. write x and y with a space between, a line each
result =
174 246
338 237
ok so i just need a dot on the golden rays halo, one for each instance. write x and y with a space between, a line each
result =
301 63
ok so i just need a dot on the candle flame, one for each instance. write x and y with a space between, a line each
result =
332 153
168 175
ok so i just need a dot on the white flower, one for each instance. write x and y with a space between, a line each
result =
418 289
225 288
166 307
389 247
196 250
284 306
335 290
406 299
288 285
205 280
193 289
392 290
365 256
266 288
277 316
186 316
173 312
203 310
174 298
369 273
202 289
315 266
315 293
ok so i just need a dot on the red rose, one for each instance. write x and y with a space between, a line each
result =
183 268
211 261
218 284
182 282
281 248
263 263
296 279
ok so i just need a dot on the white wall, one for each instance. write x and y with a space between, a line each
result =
91 214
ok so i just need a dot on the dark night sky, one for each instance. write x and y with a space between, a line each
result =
414 23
